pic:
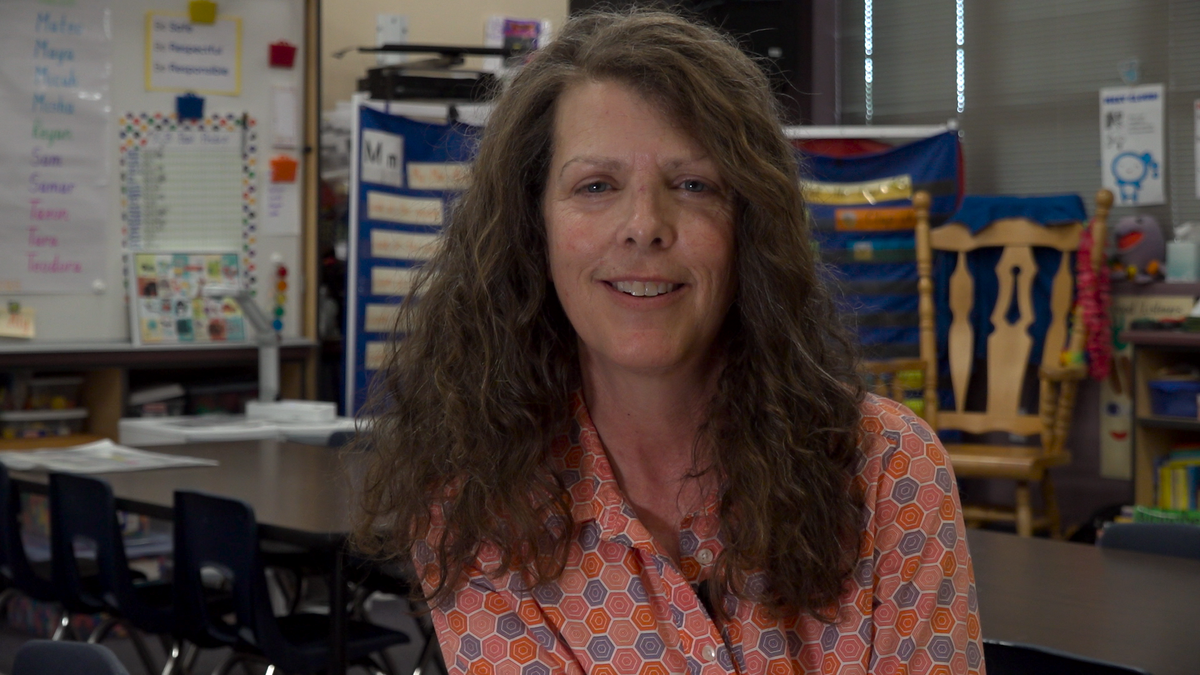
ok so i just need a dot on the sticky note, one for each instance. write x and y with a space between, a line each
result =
283 169
202 11
282 54
189 107
18 324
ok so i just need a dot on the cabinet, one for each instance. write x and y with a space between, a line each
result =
108 369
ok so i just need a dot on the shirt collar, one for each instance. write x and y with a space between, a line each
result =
579 458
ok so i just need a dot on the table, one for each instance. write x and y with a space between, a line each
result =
1132 609
301 494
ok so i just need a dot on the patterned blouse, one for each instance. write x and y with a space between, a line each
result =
622 606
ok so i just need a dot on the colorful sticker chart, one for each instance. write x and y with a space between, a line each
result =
170 305
190 185
56 67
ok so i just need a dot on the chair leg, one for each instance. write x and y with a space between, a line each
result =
102 629
5 598
191 654
1050 504
227 665
139 645
64 631
1024 510
427 655
177 658
389 666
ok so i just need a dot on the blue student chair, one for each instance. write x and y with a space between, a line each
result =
1010 658
219 534
46 657
19 573
1174 539
83 508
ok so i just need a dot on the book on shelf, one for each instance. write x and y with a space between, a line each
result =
1178 479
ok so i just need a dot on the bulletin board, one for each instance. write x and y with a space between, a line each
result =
262 111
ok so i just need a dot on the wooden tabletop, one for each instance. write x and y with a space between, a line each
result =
300 493
1127 608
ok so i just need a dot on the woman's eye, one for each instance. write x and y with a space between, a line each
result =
597 187
694 186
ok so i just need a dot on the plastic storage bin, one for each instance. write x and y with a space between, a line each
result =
41 423
166 400
1174 398
54 393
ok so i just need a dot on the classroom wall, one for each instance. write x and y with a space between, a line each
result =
347 23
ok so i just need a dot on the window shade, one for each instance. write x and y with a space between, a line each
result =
1033 70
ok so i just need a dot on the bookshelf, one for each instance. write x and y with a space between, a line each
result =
1153 435
106 369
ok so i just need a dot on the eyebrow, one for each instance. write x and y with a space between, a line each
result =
609 164
605 163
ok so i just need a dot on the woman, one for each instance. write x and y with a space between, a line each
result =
625 432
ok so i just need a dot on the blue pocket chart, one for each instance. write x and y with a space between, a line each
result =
405 174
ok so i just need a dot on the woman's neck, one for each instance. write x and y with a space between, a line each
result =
649 425
648 415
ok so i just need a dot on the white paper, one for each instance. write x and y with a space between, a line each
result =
183 190
284 117
403 245
1196 133
376 355
55 66
390 29
281 212
1132 163
99 457
185 56
382 158
392 281
410 210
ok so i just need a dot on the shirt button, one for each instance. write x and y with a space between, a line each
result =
708 653
705 556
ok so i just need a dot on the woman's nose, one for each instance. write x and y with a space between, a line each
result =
651 221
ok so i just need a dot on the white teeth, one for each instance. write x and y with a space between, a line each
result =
647 289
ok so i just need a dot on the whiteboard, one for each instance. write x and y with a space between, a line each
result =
103 316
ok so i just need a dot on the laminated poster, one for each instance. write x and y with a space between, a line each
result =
1132 163
170 306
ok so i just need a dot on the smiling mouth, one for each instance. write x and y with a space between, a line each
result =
644 289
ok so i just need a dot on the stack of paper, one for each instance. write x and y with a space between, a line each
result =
99 457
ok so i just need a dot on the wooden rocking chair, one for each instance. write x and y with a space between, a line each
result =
1009 348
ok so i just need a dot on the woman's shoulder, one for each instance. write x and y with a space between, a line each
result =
897 443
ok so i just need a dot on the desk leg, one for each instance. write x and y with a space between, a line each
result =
337 615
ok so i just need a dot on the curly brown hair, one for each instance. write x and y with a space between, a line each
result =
470 400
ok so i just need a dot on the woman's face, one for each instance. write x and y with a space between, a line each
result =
640 231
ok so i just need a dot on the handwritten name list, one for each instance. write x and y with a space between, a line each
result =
55 63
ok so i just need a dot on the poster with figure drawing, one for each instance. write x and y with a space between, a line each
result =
1132 163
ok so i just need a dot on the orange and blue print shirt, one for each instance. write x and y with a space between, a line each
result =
622 606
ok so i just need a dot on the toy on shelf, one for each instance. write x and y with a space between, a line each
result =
1140 250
